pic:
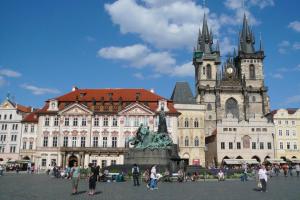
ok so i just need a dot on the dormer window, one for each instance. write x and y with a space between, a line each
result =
53 105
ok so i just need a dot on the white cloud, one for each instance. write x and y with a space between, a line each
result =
277 75
261 3
90 38
238 4
139 76
38 90
283 46
10 73
164 24
295 25
139 56
296 45
186 69
2 81
292 100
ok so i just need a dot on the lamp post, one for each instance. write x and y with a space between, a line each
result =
273 136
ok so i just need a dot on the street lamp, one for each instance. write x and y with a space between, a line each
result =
273 136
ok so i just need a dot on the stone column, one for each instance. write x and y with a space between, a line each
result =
86 160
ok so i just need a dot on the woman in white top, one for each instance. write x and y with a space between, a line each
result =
262 174
153 176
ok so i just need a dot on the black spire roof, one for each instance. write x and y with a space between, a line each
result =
182 94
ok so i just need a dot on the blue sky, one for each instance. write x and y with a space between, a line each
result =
46 47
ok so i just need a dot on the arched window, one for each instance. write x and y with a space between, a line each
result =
231 106
196 141
186 141
209 107
253 99
186 122
252 71
196 123
208 71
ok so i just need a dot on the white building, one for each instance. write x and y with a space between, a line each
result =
94 125
11 115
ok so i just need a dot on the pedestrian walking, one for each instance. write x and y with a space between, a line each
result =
297 167
153 176
135 174
146 176
263 178
285 169
1 170
92 178
75 176
291 170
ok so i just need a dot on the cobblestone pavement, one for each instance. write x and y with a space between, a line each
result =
42 187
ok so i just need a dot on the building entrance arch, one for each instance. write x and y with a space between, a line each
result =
72 159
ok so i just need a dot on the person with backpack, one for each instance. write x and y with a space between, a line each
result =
135 174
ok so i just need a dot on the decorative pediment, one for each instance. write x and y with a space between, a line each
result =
76 109
7 104
136 109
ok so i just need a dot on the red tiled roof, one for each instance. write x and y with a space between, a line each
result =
110 97
290 111
22 108
31 118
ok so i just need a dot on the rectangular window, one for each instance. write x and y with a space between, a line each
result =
280 132
279 122
103 163
253 145
13 138
258 129
287 132
295 146
127 121
105 121
230 145
32 128
269 145
94 162
25 128
45 142
95 141
252 129
234 129
67 121
30 145
104 142
2 149
286 122
265 130
136 121
113 162
281 145
53 162
238 145
56 121
12 149
293 122
96 121
83 122
230 129
294 133
82 142
75 121
24 145
225 129
288 145
74 141
115 121
261 145
44 162
47 121
222 145
65 144
54 141
114 142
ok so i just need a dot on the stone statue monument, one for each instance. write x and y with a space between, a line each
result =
144 138
151 148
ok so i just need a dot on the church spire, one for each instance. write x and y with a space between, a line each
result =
206 38
261 48
247 40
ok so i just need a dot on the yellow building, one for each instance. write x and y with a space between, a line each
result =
191 136
287 133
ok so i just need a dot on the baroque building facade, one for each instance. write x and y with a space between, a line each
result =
191 135
11 115
94 125
234 95
287 133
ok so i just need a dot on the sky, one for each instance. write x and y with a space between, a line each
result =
47 47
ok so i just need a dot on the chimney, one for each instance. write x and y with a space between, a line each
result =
74 88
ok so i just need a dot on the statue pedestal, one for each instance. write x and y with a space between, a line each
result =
145 158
